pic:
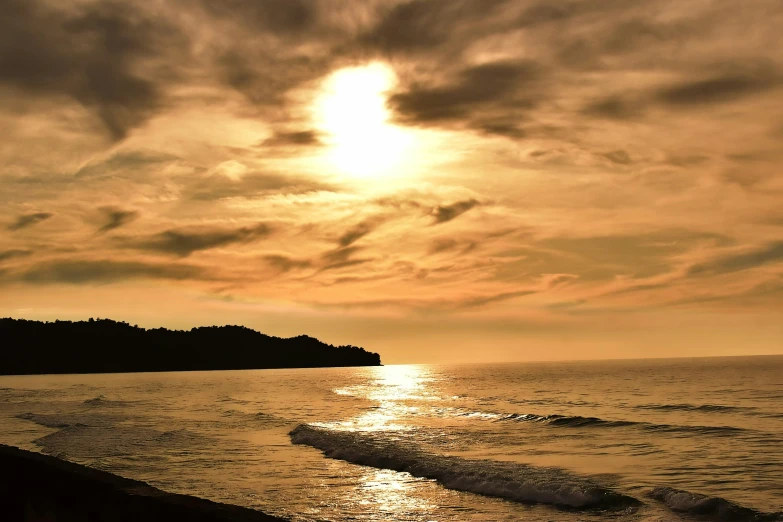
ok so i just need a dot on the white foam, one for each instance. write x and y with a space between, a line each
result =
509 480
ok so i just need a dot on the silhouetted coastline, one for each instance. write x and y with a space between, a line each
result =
106 346
38 487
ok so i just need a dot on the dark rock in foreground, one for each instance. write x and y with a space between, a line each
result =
106 346
35 487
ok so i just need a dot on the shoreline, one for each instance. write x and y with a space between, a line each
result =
36 487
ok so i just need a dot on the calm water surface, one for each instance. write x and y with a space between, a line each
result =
619 440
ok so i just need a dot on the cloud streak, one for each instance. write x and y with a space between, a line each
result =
115 218
183 243
78 272
768 254
28 220
446 213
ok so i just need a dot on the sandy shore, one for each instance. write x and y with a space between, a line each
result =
39 488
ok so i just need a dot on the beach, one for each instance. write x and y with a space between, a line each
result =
36 487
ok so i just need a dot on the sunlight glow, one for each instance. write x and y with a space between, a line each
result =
392 388
352 113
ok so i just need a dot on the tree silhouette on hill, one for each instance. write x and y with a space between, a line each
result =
106 346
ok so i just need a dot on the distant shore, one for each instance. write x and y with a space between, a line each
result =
36 487
106 346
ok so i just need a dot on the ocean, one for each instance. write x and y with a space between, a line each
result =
644 440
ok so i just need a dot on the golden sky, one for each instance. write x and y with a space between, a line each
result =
436 180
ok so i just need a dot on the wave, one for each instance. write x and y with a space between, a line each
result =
258 419
578 421
101 400
703 408
715 508
48 421
508 480
66 421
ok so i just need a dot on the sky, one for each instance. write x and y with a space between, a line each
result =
437 181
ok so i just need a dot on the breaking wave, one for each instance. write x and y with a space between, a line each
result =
508 480
715 508
578 421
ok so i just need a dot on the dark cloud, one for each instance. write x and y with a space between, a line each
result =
770 253
718 89
295 138
359 231
443 245
634 34
474 95
499 128
14 253
105 271
420 26
182 243
290 16
449 245
444 213
116 217
615 107
476 302
263 77
251 185
28 220
91 54
341 258
739 82
618 156
285 263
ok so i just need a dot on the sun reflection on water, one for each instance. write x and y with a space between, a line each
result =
390 492
392 388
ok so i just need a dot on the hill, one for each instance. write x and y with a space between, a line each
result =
106 346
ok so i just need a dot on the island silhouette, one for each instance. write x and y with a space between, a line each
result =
107 346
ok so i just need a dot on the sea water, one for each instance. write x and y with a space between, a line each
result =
685 439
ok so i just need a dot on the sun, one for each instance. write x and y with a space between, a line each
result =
351 112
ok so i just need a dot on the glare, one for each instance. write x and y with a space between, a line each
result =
352 113
391 388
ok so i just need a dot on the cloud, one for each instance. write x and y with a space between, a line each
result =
116 217
285 263
603 258
475 302
445 213
341 258
618 156
251 185
446 244
359 231
477 92
421 26
91 54
302 138
432 304
718 89
14 253
28 220
106 271
614 107
182 243
291 16
770 253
